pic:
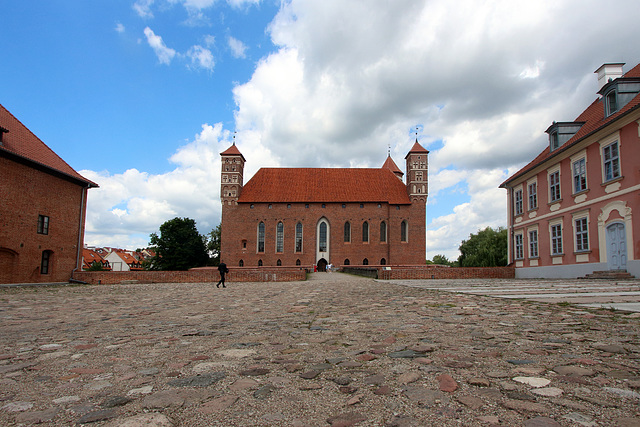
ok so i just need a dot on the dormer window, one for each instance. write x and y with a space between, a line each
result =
611 103
553 141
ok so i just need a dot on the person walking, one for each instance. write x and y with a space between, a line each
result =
222 268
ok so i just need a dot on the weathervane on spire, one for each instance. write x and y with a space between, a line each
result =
234 137
388 150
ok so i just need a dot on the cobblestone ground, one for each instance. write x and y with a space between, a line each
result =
335 350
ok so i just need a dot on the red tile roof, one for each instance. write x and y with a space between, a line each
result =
22 142
417 148
232 151
391 165
594 120
308 185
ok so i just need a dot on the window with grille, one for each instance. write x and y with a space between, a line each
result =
554 186
582 235
556 239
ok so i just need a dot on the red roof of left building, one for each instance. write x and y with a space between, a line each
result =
21 142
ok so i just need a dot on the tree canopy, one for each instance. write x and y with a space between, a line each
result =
487 248
179 246
213 244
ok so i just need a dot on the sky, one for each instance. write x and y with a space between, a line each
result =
141 96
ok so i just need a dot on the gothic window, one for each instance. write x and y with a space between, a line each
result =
346 262
259 263
365 261
383 261
299 237
241 263
403 231
279 237
261 237
347 231
279 263
365 231
298 262
323 237
383 231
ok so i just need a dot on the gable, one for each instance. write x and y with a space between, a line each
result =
308 185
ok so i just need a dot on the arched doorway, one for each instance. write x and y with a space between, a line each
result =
322 265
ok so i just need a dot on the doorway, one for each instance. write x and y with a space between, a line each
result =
616 247
322 265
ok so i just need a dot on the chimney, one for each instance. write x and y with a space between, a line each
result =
608 72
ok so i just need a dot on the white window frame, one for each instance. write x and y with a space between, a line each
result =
580 157
606 142
581 216
533 243
518 244
551 172
518 202
553 226
532 196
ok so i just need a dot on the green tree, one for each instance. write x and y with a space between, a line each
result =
213 244
487 248
441 260
179 246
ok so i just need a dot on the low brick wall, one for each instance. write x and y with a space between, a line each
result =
196 275
442 272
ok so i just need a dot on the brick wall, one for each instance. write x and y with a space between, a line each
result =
27 193
197 275
240 225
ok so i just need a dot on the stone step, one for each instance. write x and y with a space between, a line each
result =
610 274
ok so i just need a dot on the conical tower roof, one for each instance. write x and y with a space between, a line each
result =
417 148
391 165
233 151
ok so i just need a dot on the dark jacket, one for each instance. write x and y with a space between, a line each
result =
222 268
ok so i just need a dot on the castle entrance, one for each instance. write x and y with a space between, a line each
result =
322 265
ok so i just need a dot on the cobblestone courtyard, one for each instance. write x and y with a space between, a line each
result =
335 350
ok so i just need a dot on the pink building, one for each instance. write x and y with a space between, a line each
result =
575 208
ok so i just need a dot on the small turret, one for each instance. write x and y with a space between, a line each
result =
231 181
417 178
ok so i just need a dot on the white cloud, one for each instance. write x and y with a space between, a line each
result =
129 206
201 57
237 47
209 40
119 28
164 53
143 8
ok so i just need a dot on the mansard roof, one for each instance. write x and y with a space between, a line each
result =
324 185
22 145
594 120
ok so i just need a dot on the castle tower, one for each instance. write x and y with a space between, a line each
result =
231 175
417 178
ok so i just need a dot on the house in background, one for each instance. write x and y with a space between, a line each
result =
122 260
43 208
89 256
575 208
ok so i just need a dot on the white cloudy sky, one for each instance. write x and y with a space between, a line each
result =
151 91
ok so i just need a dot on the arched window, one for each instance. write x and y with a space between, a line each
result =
365 231
259 263
297 262
44 263
241 263
365 262
347 231
323 237
403 231
346 262
299 237
261 237
279 262
383 261
383 231
279 237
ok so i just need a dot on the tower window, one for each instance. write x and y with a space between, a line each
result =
365 232
347 232
403 231
299 237
280 237
261 237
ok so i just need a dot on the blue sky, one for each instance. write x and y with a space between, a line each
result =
141 96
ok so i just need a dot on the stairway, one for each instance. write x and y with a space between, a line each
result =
610 275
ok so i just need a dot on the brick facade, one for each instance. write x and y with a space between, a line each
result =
277 200
31 188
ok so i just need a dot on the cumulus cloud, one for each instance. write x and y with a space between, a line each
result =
143 8
164 53
483 79
201 57
129 206
119 28
237 47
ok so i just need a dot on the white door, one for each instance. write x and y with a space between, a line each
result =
616 247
